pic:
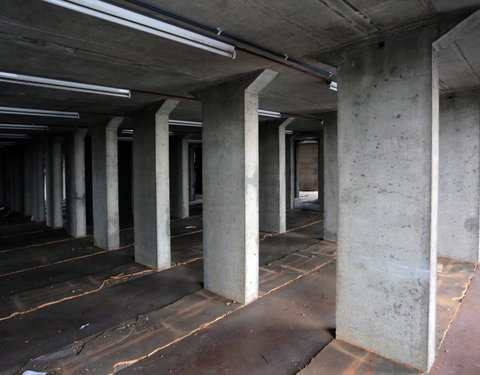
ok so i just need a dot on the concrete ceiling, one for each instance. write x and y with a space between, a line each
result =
41 39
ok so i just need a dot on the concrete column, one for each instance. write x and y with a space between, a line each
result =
57 182
28 179
290 172
151 192
459 176
75 184
3 179
330 173
230 186
179 186
296 192
18 180
39 182
191 168
48 183
106 227
388 165
272 211
320 175
10 179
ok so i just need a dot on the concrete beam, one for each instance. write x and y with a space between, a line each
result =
230 186
75 184
388 185
272 180
458 31
151 191
106 227
458 222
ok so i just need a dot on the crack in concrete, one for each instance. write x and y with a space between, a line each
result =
124 364
111 279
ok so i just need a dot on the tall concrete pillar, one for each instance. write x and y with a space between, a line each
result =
296 192
106 226
75 184
330 173
272 181
458 224
179 179
320 175
191 169
39 182
388 169
3 178
290 172
48 183
151 186
18 180
230 186
57 182
28 179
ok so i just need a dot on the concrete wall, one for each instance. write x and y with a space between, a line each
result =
308 166
459 176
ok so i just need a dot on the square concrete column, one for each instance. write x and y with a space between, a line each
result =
57 182
320 175
48 183
27 178
18 180
75 184
38 160
179 178
296 192
290 172
330 179
151 191
458 224
230 186
106 227
272 179
388 170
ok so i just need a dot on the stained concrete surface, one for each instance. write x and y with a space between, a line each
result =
53 283
342 358
181 310
277 334
453 279
459 352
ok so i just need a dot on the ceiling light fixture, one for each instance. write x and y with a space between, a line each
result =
14 136
266 113
130 132
23 127
333 86
288 132
51 83
38 112
194 124
129 18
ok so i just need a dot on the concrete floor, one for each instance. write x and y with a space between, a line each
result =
70 308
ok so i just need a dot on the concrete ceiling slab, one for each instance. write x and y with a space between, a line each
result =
41 39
